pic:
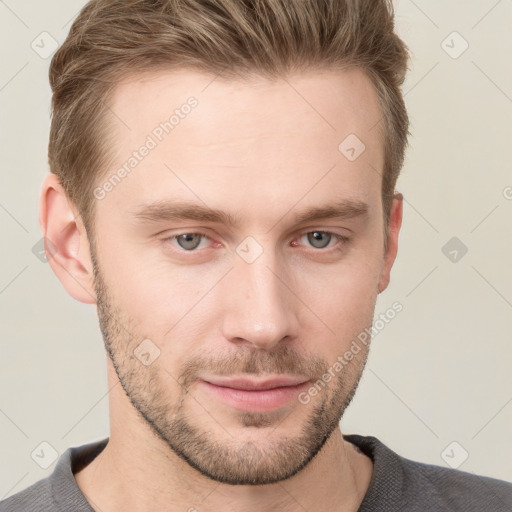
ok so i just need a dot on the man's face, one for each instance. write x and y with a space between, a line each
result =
260 293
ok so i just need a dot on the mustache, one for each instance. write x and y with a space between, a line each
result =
282 360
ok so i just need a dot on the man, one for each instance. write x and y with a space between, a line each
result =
222 189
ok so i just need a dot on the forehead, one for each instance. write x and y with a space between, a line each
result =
316 100
215 138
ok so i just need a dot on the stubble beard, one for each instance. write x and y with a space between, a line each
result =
227 460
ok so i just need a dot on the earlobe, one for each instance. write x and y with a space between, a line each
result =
395 223
66 242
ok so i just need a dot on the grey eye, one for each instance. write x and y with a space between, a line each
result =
319 239
189 241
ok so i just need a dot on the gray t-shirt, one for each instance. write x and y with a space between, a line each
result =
397 484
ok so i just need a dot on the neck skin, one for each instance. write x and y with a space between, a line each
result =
148 476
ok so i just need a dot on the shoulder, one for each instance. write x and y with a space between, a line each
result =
399 483
35 498
457 490
58 491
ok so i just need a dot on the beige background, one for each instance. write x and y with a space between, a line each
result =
439 373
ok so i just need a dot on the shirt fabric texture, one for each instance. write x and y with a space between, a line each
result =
397 484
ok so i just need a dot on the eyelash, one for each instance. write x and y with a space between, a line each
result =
342 239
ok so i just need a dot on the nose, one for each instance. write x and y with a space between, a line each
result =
260 306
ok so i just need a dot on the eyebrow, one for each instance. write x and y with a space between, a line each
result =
159 211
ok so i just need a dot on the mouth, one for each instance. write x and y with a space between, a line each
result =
255 395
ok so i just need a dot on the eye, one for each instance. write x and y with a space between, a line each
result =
188 241
322 239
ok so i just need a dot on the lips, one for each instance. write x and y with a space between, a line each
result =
256 385
255 395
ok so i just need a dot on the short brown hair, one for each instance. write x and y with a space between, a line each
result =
111 39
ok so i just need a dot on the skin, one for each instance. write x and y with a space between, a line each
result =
258 151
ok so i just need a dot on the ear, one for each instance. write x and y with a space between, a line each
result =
65 241
395 222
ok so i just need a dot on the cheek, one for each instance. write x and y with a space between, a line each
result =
151 288
347 301
342 297
175 307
